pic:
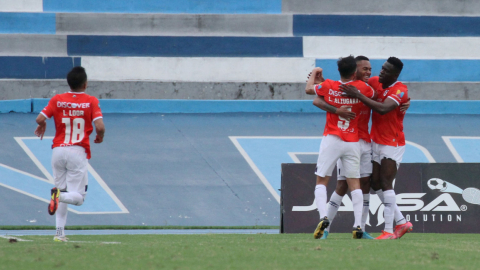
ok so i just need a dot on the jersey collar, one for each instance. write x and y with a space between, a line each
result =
345 82
76 92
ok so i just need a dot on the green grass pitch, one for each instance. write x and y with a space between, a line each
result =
242 251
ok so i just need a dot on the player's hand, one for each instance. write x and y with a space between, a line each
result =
346 112
40 130
404 107
98 139
318 75
349 90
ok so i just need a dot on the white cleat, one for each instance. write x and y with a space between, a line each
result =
60 239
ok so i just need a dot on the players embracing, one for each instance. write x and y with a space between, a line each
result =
341 139
388 140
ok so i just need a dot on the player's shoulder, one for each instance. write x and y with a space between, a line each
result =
373 80
328 82
400 85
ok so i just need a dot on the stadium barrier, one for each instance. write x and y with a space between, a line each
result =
435 197
35 105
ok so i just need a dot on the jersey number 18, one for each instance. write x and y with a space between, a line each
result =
75 131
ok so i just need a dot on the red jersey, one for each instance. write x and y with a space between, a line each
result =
387 129
73 113
336 125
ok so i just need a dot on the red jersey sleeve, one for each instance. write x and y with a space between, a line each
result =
373 81
367 91
96 111
322 89
399 94
49 110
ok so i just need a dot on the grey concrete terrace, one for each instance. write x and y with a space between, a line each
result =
22 89
265 25
33 45
381 7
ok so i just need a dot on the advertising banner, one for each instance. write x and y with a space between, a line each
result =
435 197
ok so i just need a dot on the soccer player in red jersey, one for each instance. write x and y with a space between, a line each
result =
388 139
364 71
73 113
341 140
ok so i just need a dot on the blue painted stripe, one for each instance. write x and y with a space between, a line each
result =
228 106
20 67
467 148
165 6
27 23
418 70
18 105
185 46
374 25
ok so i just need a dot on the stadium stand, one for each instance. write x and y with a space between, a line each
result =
233 49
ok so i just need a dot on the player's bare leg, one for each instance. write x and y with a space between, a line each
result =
321 201
335 202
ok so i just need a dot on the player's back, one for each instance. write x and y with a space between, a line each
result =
73 113
336 125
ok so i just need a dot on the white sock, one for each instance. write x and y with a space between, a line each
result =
357 201
74 198
332 207
321 200
366 209
398 216
389 212
61 218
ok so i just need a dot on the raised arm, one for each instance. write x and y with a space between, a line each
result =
382 108
100 130
315 77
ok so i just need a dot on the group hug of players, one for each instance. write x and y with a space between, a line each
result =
364 160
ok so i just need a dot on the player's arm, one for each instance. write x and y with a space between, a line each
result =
343 111
404 107
315 77
382 108
42 125
99 129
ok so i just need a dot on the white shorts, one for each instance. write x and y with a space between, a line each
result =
333 148
366 166
381 151
70 165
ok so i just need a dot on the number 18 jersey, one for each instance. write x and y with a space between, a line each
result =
73 114
336 125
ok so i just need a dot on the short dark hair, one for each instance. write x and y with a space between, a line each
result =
397 63
361 58
76 78
346 66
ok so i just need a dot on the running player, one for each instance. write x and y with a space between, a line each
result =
73 114
388 139
341 140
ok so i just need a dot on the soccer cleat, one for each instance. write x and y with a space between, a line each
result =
400 230
357 233
366 235
60 238
52 207
325 235
322 225
386 235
